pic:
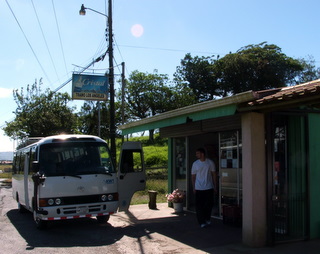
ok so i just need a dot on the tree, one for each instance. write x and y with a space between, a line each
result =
309 72
199 74
253 67
256 67
89 119
145 95
41 114
182 95
149 94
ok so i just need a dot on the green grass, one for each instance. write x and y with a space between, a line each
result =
5 174
158 185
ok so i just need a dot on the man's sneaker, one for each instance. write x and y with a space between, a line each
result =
208 222
203 225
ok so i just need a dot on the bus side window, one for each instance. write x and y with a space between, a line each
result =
33 164
21 162
132 161
104 158
16 162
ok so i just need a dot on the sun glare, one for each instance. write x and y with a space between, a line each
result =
137 30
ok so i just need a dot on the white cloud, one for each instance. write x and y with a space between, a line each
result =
5 92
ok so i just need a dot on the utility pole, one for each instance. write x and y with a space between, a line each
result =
123 85
111 85
109 37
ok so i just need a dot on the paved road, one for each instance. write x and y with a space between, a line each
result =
125 233
140 230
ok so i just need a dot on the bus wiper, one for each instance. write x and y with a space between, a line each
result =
77 176
107 173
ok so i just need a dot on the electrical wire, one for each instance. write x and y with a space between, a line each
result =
61 46
25 36
45 40
165 49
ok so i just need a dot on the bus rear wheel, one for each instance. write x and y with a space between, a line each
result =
103 219
40 224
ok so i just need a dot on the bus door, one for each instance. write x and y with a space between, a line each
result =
131 173
26 179
31 171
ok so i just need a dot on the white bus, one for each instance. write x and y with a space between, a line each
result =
73 176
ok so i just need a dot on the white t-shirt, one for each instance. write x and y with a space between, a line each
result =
202 170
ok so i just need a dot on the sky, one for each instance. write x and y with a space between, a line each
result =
48 39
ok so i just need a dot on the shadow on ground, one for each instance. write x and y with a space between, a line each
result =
87 232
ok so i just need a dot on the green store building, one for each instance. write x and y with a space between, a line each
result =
265 145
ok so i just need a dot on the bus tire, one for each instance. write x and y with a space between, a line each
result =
40 224
103 219
21 208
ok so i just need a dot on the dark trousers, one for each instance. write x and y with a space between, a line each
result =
204 205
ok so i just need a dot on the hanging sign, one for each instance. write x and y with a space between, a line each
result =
89 87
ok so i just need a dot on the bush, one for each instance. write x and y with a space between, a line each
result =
155 156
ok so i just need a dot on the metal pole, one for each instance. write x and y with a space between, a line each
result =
122 92
123 85
99 119
111 85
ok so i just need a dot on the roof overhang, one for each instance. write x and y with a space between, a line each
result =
307 94
210 109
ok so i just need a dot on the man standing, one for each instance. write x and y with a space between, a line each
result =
204 182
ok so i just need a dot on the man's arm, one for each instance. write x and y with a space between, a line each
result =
193 183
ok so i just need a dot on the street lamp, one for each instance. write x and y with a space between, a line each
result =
111 75
83 9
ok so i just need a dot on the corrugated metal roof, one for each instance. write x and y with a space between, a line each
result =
287 93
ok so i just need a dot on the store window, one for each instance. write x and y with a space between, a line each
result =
230 168
180 163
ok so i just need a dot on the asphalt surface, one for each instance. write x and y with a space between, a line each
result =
145 230
217 238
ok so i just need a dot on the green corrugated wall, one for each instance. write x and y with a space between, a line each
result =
314 176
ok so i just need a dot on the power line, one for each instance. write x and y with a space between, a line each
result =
166 49
64 59
35 55
44 38
100 58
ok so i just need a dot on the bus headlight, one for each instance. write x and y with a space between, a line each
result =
50 201
104 198
58 201
110 197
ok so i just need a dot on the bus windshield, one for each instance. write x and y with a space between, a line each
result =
75 158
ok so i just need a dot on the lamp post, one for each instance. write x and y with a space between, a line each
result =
111 75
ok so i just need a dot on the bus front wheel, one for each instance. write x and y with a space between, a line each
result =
40 224
103 219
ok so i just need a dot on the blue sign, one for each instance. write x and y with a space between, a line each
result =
89 87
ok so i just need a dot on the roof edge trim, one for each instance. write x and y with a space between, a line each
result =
235 99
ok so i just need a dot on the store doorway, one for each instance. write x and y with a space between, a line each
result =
289 183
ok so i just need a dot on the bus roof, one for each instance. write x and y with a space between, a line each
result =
60 138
